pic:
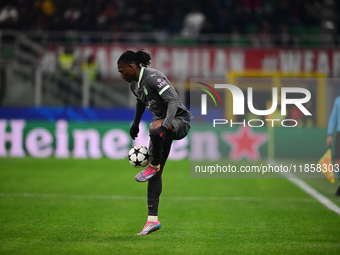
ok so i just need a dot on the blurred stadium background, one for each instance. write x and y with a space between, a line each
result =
62 98
58 58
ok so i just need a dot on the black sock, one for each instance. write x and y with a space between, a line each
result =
154 191
157 149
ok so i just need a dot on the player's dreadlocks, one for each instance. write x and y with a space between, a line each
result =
140 58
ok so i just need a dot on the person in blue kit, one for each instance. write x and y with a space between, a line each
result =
334 120
171 121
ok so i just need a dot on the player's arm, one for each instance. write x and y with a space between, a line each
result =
168 93
140 108
172 101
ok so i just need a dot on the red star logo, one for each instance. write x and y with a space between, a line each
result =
244 143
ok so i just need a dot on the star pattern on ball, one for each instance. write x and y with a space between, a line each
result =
139 156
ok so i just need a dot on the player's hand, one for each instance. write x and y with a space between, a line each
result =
159 134
134 130
329 141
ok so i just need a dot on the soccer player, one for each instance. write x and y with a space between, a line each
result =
171 121
335 120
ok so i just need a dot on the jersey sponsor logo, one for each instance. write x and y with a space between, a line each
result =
153 74
152 104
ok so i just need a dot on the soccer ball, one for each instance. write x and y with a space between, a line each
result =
139 156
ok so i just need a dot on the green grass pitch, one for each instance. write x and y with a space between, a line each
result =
55 206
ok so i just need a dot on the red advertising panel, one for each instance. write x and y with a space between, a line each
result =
186 62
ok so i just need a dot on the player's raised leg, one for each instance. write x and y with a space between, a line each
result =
155 149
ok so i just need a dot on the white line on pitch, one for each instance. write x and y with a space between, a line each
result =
74 196
309 190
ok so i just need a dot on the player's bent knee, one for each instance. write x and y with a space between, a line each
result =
157 124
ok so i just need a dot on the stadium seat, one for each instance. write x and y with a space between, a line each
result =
7 52
180 41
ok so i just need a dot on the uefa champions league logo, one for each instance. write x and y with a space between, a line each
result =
238 104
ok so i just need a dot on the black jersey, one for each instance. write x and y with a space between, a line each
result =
156 92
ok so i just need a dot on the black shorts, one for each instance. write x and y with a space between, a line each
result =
181 128
337 146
